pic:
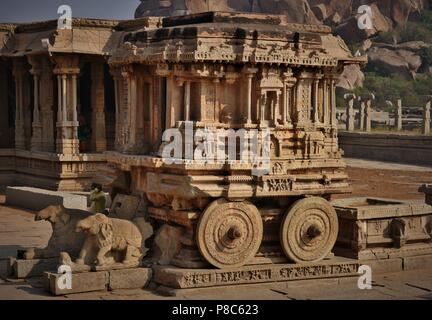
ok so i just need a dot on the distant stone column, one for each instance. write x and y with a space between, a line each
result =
398 119
99 143
427 115
350 98
367 99
368 119
36 139
362 114
118 94
19 74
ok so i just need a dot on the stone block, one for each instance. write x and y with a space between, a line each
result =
427 190
418 262
81 282
137 278
384 266
37 199
5 268
22 269
179 278
373 228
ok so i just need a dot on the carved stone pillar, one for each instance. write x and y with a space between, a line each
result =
287 96
98 140
262 108
187 87
301 104
249 73
350 98
427 116
36 139
333 102
118 94
67 71
19 72
127 128
326 102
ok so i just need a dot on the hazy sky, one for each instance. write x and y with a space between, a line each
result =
37 10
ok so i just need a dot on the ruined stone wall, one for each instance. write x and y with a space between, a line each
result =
415 150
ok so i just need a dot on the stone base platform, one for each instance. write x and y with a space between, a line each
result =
22 269
171 278
199 278
137 278
37 199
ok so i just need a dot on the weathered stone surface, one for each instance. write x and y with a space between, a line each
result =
64 236
351 33
38 199
146 232
109 241
22 269
351 78
296 10
427 190
380 228
166 244
5 268
395 61
81 282
130 278
136 278
197 278
417 262
416 150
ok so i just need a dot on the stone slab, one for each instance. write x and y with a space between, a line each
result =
22 269
137 278
418 262
37 199
386 253
427 190
81 282
5 268
384 266
178 278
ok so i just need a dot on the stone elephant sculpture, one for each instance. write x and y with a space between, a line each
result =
109 241
64 238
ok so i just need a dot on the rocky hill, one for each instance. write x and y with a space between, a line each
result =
399 42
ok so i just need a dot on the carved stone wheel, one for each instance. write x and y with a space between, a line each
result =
309 230
229 233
